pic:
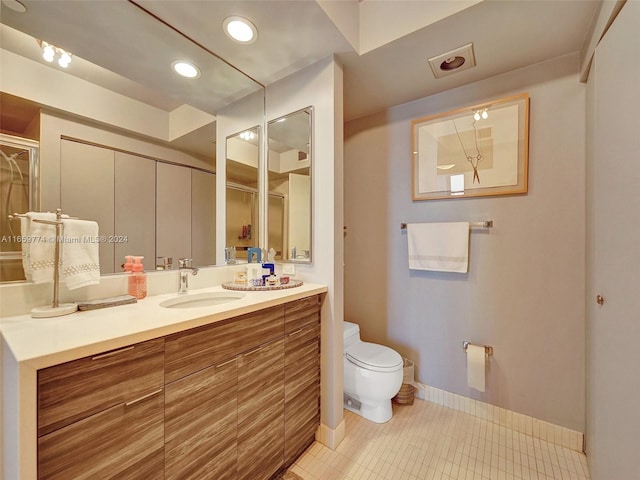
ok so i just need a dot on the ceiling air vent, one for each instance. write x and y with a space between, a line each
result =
462 58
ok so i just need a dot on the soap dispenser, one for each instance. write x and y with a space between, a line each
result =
128 264
138 280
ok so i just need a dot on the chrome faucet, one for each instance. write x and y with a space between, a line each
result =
185 267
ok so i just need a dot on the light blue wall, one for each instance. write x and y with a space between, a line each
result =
524 293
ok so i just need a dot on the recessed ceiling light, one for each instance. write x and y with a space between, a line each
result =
452 63
462 58
240 29
15 5
186 69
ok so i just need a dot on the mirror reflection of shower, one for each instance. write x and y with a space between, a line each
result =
242 159
18 194
289 178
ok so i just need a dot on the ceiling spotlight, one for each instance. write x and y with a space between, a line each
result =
452 63
477 115
240 29
50 52
248 135
457 60
186 69
64 60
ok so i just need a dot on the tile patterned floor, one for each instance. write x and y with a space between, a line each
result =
426 441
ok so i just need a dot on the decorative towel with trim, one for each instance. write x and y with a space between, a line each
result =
38 249
80 253
439 247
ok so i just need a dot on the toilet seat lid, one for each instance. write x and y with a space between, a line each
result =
372 356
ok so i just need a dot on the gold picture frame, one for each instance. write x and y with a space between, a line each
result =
474 151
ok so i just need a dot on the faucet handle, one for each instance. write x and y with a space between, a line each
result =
185 262
164 263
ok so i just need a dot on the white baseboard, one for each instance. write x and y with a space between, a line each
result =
330 438
506 418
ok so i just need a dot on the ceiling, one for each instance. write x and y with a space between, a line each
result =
294 34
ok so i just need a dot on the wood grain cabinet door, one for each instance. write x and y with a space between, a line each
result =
72 391
201 415
124 442
302 312
260 411
302 390
192 350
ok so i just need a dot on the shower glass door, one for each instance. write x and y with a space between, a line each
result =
18 194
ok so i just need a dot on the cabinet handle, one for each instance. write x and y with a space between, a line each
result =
144 397
252 351
115 352
226 363
300 330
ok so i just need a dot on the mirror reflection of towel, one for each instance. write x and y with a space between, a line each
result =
38 249
439 247
80 253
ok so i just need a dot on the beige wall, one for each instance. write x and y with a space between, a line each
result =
524 293
320 85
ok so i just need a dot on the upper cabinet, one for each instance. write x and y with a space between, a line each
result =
143 207
174 212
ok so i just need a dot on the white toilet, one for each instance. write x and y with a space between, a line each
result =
372 376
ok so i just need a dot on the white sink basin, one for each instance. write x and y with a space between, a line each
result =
207 299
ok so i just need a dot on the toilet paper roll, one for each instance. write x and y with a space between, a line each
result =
476 367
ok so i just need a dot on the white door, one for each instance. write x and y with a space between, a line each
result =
613 263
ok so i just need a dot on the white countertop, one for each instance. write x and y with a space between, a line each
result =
42 342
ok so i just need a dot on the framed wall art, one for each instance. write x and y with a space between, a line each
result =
473 151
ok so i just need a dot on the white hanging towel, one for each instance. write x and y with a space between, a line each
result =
38 248
80 253
439 247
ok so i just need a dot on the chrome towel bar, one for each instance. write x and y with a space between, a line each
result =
485 224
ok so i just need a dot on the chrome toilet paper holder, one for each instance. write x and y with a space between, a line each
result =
488 349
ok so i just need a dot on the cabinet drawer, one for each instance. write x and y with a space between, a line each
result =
302 359
199 348
301 313
123 442
75 390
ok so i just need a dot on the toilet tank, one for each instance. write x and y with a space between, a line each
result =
351 333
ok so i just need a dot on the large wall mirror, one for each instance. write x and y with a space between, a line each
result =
122 138
289 180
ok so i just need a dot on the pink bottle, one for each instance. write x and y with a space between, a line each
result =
128 264
138 280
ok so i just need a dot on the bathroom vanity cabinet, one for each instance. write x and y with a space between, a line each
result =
236 399
103 413
261 411
301 376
